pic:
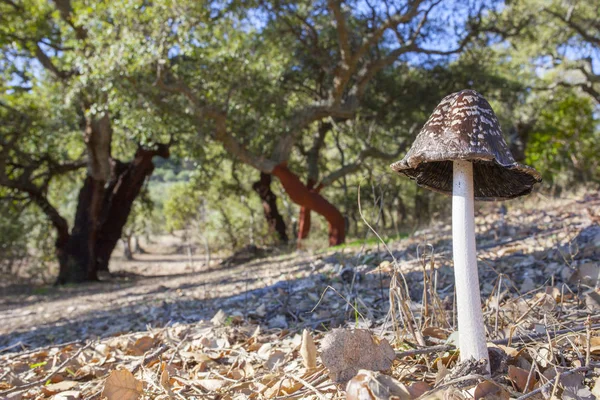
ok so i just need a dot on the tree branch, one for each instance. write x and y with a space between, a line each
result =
48 64
365 154
344 74
587 36
302 118
342 32
204 111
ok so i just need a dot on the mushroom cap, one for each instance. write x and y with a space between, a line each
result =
464 127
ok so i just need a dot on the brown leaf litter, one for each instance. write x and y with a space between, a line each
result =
268 341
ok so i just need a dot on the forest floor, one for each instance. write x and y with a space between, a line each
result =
160 328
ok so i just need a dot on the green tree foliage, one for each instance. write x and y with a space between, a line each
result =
560 37
566 142
223 213
322 95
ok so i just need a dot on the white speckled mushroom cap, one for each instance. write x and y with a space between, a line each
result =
464 127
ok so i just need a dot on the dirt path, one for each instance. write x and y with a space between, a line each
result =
167 291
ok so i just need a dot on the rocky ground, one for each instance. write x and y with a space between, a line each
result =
235 331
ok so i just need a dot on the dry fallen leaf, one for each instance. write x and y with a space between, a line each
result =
219 319
165 379
141 346
344 352
283 387
418 389
519 377
488 390
275 360
122 385
435 332
308 350
574 388
442 371
595 344
212 385
55 388
68 395
369 385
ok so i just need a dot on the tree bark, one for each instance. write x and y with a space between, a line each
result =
85 252
312 160
74 259
304 217
301 195
121 193
269 202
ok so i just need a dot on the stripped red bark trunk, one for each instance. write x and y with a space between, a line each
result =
269 202
311 199
304 217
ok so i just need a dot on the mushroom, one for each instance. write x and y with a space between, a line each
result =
461 151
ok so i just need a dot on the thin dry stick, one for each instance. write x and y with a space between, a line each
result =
547 385
149 357
535 336
426 350
498 306
462 379
531 307
530 375
12 346
308 385
588 337
30 351
550 345
50 375
342 297
176 351
523 339
416 334
316 383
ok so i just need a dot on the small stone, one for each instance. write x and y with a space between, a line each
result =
278 322
588 273
527 285
592 300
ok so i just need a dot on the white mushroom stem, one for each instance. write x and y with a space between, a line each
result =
471 330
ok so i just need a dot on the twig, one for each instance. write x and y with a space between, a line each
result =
176 351
426 350
12 346
588 339
308 385
45 379
535 336
451 383
551 381
149 357
522 339
34 350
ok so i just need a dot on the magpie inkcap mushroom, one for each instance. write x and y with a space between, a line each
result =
464 127
461 151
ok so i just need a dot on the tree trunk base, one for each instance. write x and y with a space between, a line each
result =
75 256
